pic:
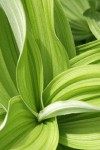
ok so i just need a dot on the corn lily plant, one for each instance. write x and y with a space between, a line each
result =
49 89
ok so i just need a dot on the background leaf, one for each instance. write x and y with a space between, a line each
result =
93 20
74 12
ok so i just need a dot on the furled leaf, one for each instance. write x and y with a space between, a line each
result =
54 56
78 83
15 14
8 59
93 20
81 131
64 108
63 29
23 132
30 75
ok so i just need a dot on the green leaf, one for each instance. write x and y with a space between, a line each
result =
74 12
63 29
88 57
8 59
93 20
22 130
88 46
64 108
15 14
41 19
30 75
79 83
81 131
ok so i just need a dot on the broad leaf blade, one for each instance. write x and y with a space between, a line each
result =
15 14
8 60
27 133
79 83
65 108
54 56
30 75
81 128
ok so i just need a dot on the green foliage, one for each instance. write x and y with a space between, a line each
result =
49 87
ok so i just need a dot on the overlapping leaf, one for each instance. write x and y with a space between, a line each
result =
8 59
89 57
88 46
30 75
23 132
16 17
80 131
79 83
54 56
43 51
65 108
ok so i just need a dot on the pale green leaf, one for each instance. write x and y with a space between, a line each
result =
30 75
79 83
81 131
15 14
63 29
88 46
8 60
65 108
88 57
54 56
43 136
22 131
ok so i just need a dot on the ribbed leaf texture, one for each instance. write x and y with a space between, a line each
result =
49 75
